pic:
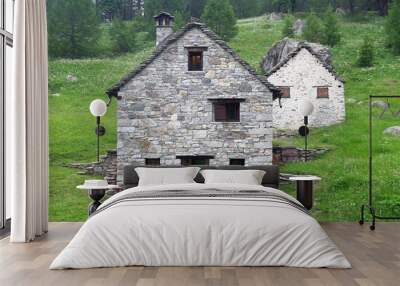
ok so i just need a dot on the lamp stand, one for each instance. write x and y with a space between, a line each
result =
305 138
98 137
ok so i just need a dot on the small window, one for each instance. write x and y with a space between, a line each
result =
152 161
236 162
195 61
322 92
285 92
227 111
195 160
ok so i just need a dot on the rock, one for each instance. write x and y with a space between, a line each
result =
282 49
107 167
245 87
291 154
298 27
381 104
71 77
275 16
394 130
55 94
340 12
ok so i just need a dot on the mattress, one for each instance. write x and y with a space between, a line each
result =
201 225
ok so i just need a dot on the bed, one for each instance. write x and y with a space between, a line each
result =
197 224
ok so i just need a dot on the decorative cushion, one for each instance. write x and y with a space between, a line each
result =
166 176
247 177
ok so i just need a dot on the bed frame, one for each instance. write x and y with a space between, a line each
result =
270 179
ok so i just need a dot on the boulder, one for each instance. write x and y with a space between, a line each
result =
280 51
71 77
351 100
275 16
298 27
340 12
394 130
380 104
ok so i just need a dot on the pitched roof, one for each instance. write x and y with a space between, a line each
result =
311 51
113 91
162 13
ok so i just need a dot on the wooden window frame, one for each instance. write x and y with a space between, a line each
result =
198 66
285 91
324 90
220 103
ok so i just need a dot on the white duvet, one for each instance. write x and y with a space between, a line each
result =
200 231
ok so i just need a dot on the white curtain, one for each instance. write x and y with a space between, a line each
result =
27 123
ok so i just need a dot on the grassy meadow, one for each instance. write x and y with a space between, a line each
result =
344 168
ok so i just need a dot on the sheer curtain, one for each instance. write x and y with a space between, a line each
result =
27 148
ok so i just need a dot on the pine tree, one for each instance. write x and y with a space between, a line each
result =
313 30
366 54
392 27
288 30
122 35
219 16
73 28
331 28
245 8
179 21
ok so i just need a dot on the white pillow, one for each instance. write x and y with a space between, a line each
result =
247 177
166 176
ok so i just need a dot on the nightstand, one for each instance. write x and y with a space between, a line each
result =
305 189
96 190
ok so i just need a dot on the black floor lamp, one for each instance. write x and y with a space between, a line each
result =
305 108
98 108
370 204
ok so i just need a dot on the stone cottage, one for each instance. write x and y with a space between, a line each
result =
304 71
194 101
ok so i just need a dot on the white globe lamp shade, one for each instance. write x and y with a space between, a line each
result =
306 108
98 107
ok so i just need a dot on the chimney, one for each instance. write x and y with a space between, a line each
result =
164 26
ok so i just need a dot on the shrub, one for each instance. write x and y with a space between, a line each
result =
313 31
331 28
180 20
288 30
366 54
73 28
220 17
392 27
122 35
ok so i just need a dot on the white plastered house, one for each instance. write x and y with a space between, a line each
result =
301 75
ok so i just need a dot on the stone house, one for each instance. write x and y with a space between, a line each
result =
194 101
304 71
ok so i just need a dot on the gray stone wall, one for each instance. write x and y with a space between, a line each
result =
165 110
107 167
162 32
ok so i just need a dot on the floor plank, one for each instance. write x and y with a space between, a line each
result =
375 257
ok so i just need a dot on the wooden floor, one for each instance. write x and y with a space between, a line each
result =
375 257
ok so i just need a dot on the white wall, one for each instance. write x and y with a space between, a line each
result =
303 74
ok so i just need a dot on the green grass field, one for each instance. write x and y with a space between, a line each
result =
344 169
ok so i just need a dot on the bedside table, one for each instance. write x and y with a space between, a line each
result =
96 190
305 189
